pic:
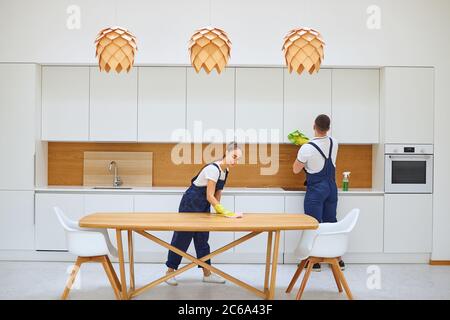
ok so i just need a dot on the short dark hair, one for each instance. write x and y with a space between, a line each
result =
322 122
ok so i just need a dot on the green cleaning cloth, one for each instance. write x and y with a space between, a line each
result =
297 138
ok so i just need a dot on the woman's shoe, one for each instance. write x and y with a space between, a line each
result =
212 278
171 281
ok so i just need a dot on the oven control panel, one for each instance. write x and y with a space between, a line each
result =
408 149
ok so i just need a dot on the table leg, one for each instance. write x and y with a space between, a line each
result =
123 279
268 257
273 275
131 258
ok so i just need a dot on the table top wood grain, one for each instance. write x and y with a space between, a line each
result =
171 221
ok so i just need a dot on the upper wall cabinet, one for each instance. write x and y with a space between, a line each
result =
65 103
210 106
161 103
259 104
305 97
19 96
356 105
408 104
113 106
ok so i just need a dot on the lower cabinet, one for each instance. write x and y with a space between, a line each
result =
391 223
50 234
408 223
293 205
16 220
367 236
255 249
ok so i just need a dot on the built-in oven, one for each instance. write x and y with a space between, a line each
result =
408 168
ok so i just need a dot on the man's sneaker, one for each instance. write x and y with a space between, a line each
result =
171 281
212 278
316 267
342 265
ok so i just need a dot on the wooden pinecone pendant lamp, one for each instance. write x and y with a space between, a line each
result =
209 49
303 50
115 49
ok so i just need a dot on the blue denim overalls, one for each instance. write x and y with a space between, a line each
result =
321 190
194 200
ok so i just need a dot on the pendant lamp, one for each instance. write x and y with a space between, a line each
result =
303 50
115 49
209 49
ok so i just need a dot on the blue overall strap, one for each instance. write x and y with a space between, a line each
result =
331 148
217 166
318 149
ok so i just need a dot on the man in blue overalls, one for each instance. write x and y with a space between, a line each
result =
318 158
205 190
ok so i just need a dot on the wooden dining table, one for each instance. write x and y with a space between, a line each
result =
144 222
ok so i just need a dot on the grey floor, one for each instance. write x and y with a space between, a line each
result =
45 280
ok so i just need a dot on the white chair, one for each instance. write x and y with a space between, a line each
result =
325 245
89 245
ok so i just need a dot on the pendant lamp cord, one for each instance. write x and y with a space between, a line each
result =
210 12
115 13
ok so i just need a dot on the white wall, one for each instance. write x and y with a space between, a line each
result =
412 33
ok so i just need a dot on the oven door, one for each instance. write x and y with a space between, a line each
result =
408 174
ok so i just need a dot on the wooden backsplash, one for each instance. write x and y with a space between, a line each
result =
65 165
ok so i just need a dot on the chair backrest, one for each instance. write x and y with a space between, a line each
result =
68 225
82 242
329 240
332 238
347 224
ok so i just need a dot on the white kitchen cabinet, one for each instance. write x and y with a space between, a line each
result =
408 223
305 97
154 203
408 95
161 103
16 220
65 103
113 106
50 234
19 93
249 204
367 236
259 104
292 205
356 105
110 203
210 106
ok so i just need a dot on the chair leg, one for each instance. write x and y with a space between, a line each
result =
112 277
72 277
342 279
297 274
311 262
336 276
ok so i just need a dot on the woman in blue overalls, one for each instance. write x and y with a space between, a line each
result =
321 191
205 190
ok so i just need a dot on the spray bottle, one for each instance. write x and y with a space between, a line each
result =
345 180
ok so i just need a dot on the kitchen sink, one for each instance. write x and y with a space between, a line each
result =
113 188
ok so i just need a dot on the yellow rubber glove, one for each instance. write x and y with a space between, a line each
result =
220 209
297 138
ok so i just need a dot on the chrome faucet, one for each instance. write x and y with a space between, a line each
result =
116 182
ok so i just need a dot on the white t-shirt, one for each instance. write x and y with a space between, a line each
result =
312 158
210 172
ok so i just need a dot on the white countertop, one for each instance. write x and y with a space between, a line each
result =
178 190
